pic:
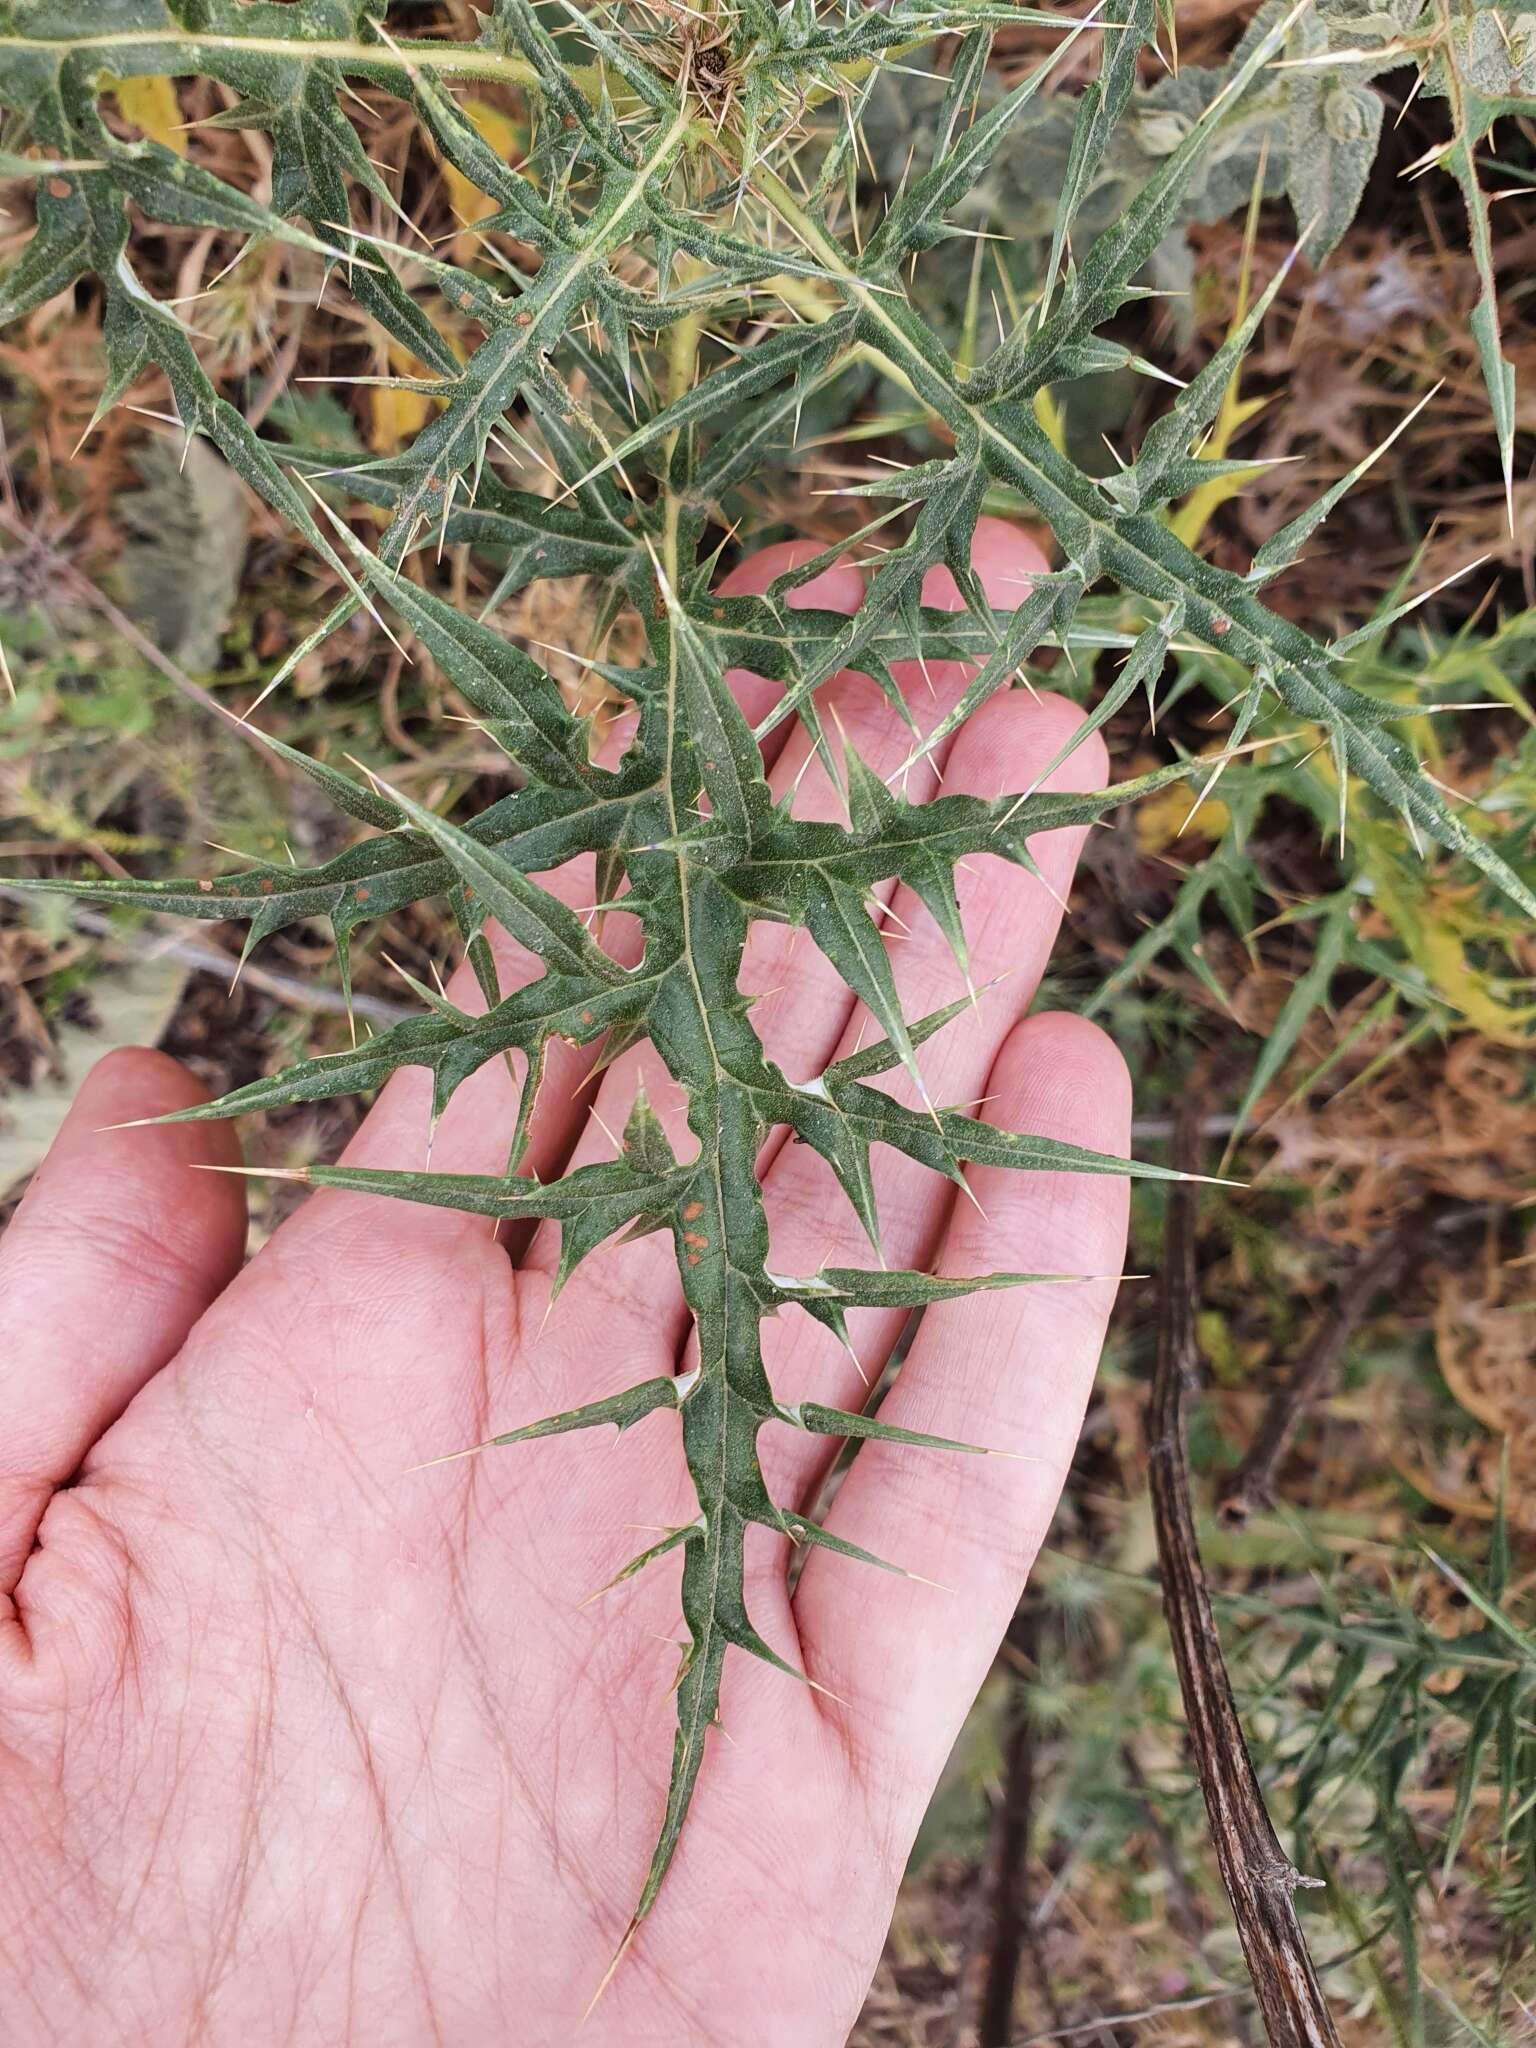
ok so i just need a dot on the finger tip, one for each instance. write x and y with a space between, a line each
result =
1074 1076
132 1086
1004 557
1007 547
1014 735
112 1165
135 1082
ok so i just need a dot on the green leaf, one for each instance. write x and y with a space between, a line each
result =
1308 994
918 215
820 1421
1332 130
536 919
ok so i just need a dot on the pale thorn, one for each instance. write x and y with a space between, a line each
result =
1413 605
825 1690
375 781
1325 59
922 1089
1427 161
857 1363
845 793
298 1173
1202 797
801 772
608 1974
395 967
451 1457
1276 39
1055 894
1413 92
918 1579
918 754
612 1586
370 113
511 454
613 1141
356 590
384 36
552 647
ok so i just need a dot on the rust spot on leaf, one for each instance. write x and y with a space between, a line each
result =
693 1211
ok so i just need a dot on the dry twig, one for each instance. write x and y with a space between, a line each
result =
1260 1880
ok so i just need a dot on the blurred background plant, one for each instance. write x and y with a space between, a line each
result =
1362 1014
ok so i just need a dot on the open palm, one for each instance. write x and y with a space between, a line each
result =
297 1744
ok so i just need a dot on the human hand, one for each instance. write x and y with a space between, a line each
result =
299 1745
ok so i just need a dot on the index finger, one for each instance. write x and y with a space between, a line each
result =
1009 1370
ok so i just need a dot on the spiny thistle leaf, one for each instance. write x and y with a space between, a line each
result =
703 280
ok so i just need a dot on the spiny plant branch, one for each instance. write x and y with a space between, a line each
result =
692 269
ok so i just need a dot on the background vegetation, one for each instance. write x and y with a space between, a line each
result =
1356 1018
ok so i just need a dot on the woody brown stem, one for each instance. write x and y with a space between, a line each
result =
1259 1878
